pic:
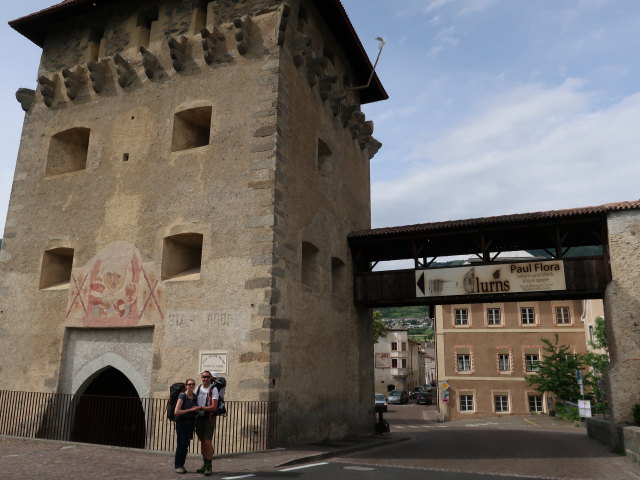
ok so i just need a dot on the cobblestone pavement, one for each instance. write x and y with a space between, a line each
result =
29 459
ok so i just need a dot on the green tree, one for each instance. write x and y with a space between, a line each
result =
379 328
557 371
597 361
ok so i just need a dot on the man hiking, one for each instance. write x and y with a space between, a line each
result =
205 420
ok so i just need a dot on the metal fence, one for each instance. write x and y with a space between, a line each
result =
129 422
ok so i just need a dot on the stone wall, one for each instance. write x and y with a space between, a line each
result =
185 184
322 343
632 442
622 311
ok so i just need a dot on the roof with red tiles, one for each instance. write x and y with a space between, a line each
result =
513 219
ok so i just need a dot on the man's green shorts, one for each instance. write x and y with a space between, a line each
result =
205 427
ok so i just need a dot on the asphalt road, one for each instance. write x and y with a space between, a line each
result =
520 446
336 471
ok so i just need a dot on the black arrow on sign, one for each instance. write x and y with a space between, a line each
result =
421 283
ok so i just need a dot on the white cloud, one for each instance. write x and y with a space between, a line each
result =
466 7
476 6
435 4
530 149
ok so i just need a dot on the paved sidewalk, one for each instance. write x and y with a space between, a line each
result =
28 459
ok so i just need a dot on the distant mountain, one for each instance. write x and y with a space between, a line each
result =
404 312
590 251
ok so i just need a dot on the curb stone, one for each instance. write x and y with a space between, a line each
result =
364 445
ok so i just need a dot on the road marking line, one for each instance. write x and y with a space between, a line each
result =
304 466
413 426
239 476
532 423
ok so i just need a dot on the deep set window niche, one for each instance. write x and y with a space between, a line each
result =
182 257
191 128
55 272
68 151
310 266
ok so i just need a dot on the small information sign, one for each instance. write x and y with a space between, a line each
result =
214 362
584 408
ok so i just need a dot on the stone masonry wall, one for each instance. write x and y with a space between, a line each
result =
322 347
136 190
622 311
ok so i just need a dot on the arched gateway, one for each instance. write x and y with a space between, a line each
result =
109 411
613 274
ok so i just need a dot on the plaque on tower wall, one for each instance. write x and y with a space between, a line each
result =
214 362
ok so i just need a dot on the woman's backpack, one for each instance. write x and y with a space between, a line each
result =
174 392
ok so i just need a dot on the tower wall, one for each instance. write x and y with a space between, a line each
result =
185 145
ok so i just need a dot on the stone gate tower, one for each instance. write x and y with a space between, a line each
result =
187 176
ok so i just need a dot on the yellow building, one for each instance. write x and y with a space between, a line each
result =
485 350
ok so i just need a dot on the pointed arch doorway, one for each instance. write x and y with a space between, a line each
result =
109 411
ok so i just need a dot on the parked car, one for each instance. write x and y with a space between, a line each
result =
380 403
398 396
424 398
412 393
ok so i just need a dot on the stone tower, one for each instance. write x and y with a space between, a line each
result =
187 176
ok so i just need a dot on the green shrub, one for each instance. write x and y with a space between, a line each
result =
636 414
599 408
567 412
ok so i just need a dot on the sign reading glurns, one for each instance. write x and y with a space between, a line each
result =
214 362
538 276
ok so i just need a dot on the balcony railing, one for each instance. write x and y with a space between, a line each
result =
399 372
129 422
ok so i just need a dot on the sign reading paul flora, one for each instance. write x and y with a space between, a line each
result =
539 276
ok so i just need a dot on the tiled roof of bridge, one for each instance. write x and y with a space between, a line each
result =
513 219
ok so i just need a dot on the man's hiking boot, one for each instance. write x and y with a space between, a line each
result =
208 470
202 469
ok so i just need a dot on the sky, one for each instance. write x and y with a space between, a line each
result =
495 106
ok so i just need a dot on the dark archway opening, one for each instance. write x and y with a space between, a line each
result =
109 412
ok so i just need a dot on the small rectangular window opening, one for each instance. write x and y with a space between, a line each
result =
191 128
535 404
493 316
562 316
324 164
338 277
182 257
527 316
501 403
125 157
531 361
466 403
464 362
310 267
56 268
68 151
461 316
504 365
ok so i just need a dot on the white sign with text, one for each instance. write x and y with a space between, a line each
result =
214 362
539 276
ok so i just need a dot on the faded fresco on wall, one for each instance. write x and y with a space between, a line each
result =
116 289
